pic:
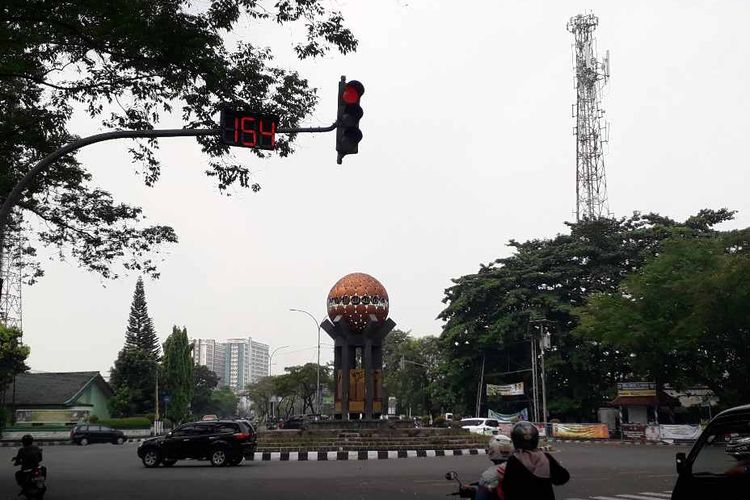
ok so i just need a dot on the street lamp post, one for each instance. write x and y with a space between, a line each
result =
271 357
317 384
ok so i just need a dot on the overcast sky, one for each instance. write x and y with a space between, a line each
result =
467 143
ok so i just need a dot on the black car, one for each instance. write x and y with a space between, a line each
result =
223 442
718 465
300 421
94 433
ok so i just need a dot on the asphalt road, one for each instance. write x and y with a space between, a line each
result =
115 472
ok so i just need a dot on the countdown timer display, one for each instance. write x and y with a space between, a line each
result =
248 129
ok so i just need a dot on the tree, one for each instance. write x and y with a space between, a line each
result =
295 390
204 382
490 314
13 356
224 402
140 333
683 318
133 378
419 382
178 374
129 64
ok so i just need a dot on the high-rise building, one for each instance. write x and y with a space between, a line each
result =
237 362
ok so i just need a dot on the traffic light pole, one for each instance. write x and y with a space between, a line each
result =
47 161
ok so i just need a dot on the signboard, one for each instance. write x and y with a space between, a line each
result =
51 416
509 417
679 432
505 390
636 432
636 389
248 129
580 431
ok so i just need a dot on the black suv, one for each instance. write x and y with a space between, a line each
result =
91 433
223 442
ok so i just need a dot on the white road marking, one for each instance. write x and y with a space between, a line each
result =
430 453
606 498
372 455
660 495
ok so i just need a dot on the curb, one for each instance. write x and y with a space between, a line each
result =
330 456
627 443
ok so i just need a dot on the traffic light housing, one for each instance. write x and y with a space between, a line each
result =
348 133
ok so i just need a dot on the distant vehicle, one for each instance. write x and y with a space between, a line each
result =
94 433
300 421
209 418
223 442
486 426
718 465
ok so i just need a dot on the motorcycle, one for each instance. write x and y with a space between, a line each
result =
34 487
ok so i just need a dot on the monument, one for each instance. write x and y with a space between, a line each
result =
358 324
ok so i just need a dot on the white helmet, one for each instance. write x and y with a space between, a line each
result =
500 448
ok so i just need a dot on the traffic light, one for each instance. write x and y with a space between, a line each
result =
348 134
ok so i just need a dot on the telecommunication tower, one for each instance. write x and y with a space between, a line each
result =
591 130
10 286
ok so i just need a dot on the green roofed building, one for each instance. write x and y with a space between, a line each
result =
59 398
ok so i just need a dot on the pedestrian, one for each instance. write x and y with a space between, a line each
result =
530 472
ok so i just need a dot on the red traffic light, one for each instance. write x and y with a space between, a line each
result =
352 92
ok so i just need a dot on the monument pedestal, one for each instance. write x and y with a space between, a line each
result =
358 368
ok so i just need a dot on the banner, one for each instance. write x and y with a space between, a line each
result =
505 429
636 389
652 433
580 431
679 432
634 431
509 418
505 390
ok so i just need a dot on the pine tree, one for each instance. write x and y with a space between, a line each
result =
140 334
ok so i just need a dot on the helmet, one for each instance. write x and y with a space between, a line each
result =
27 440
500 448
525 436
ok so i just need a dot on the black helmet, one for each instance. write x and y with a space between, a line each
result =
27 440
525 436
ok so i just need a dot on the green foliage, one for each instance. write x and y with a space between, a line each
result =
178 374
489 313
419 383
133 380
126 423
93 419
154 60
204 382
140 333
683 318
13 355
224 402
295 388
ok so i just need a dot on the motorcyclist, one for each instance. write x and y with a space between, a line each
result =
28 457
489 486
530 472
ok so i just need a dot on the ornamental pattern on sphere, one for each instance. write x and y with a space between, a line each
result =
355 297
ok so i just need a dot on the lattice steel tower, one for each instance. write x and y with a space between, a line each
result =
591 130
10 288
